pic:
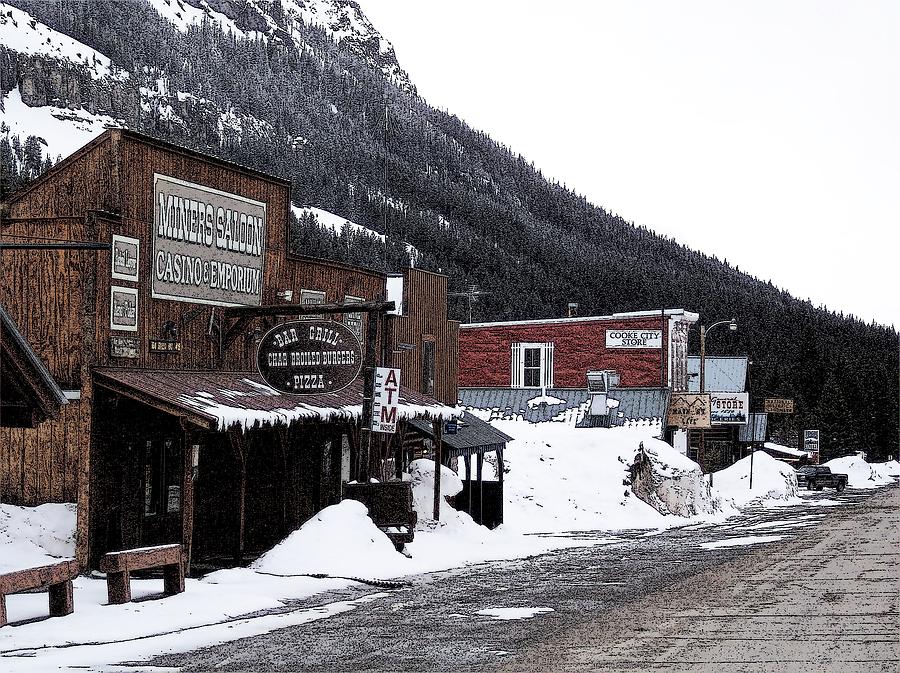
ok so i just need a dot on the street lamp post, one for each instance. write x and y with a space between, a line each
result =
732 325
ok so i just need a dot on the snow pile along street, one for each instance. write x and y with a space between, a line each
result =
340 540
561 478
860 474
672 483
773 480
36 536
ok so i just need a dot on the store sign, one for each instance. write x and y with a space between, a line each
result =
208 246
386 401
776 405
729 408
689 410
123 308
124 347
811 440
125 257
308 358
634 338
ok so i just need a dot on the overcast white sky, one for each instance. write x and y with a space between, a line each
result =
762 132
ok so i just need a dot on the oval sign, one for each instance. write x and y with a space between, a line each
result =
309 357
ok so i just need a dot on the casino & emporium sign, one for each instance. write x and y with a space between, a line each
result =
309 357
208 245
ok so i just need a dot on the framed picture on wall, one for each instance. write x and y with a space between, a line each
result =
123 308
125 258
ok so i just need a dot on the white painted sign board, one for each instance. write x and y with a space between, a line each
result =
386 401
634 338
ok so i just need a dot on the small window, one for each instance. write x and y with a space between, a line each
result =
532 365
428 367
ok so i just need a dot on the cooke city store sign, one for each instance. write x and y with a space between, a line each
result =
208 245
634 338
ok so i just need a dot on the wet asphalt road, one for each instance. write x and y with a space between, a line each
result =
648 602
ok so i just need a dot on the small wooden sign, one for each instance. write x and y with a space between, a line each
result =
777 405
309 357
123 347
165 346
689 410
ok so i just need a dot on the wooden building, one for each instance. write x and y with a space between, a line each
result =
169 434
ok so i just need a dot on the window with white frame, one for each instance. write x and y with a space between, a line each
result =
532 365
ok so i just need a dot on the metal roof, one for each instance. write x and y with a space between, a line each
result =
514 402
636 404
219 400
529 404
472 433
755 429
723 374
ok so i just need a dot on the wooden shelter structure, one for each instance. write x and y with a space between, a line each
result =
170 435
471 438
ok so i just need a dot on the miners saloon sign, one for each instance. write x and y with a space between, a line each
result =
208 245
306 358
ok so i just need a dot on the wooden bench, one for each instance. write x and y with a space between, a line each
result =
118 566
390 505
57 578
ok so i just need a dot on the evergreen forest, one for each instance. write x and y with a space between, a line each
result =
355 139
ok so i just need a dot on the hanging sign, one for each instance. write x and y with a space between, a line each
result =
386 401
729 408
634 338
208 245
811 440
777 405
309 357
689 410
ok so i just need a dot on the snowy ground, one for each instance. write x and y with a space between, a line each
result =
559 482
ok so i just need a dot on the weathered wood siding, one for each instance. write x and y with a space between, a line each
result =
579 346
86 180
425 319
41 464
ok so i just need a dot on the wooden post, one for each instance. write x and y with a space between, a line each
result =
369 364
468 461
187 496
437 428
479 465
500 483
239 447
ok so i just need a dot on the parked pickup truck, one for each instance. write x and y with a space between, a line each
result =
818 477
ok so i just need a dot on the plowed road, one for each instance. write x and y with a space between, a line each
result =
823 597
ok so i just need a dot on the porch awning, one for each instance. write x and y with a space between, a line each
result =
28 393
220 400
473 435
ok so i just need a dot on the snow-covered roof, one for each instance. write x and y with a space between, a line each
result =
670 312
220 400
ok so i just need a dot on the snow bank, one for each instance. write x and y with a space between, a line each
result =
35 536
889 469
339 540
772 480
560 478
421 474
860 474
672 483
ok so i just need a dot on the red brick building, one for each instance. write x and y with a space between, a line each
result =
643 348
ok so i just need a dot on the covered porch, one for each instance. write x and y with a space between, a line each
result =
220 462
